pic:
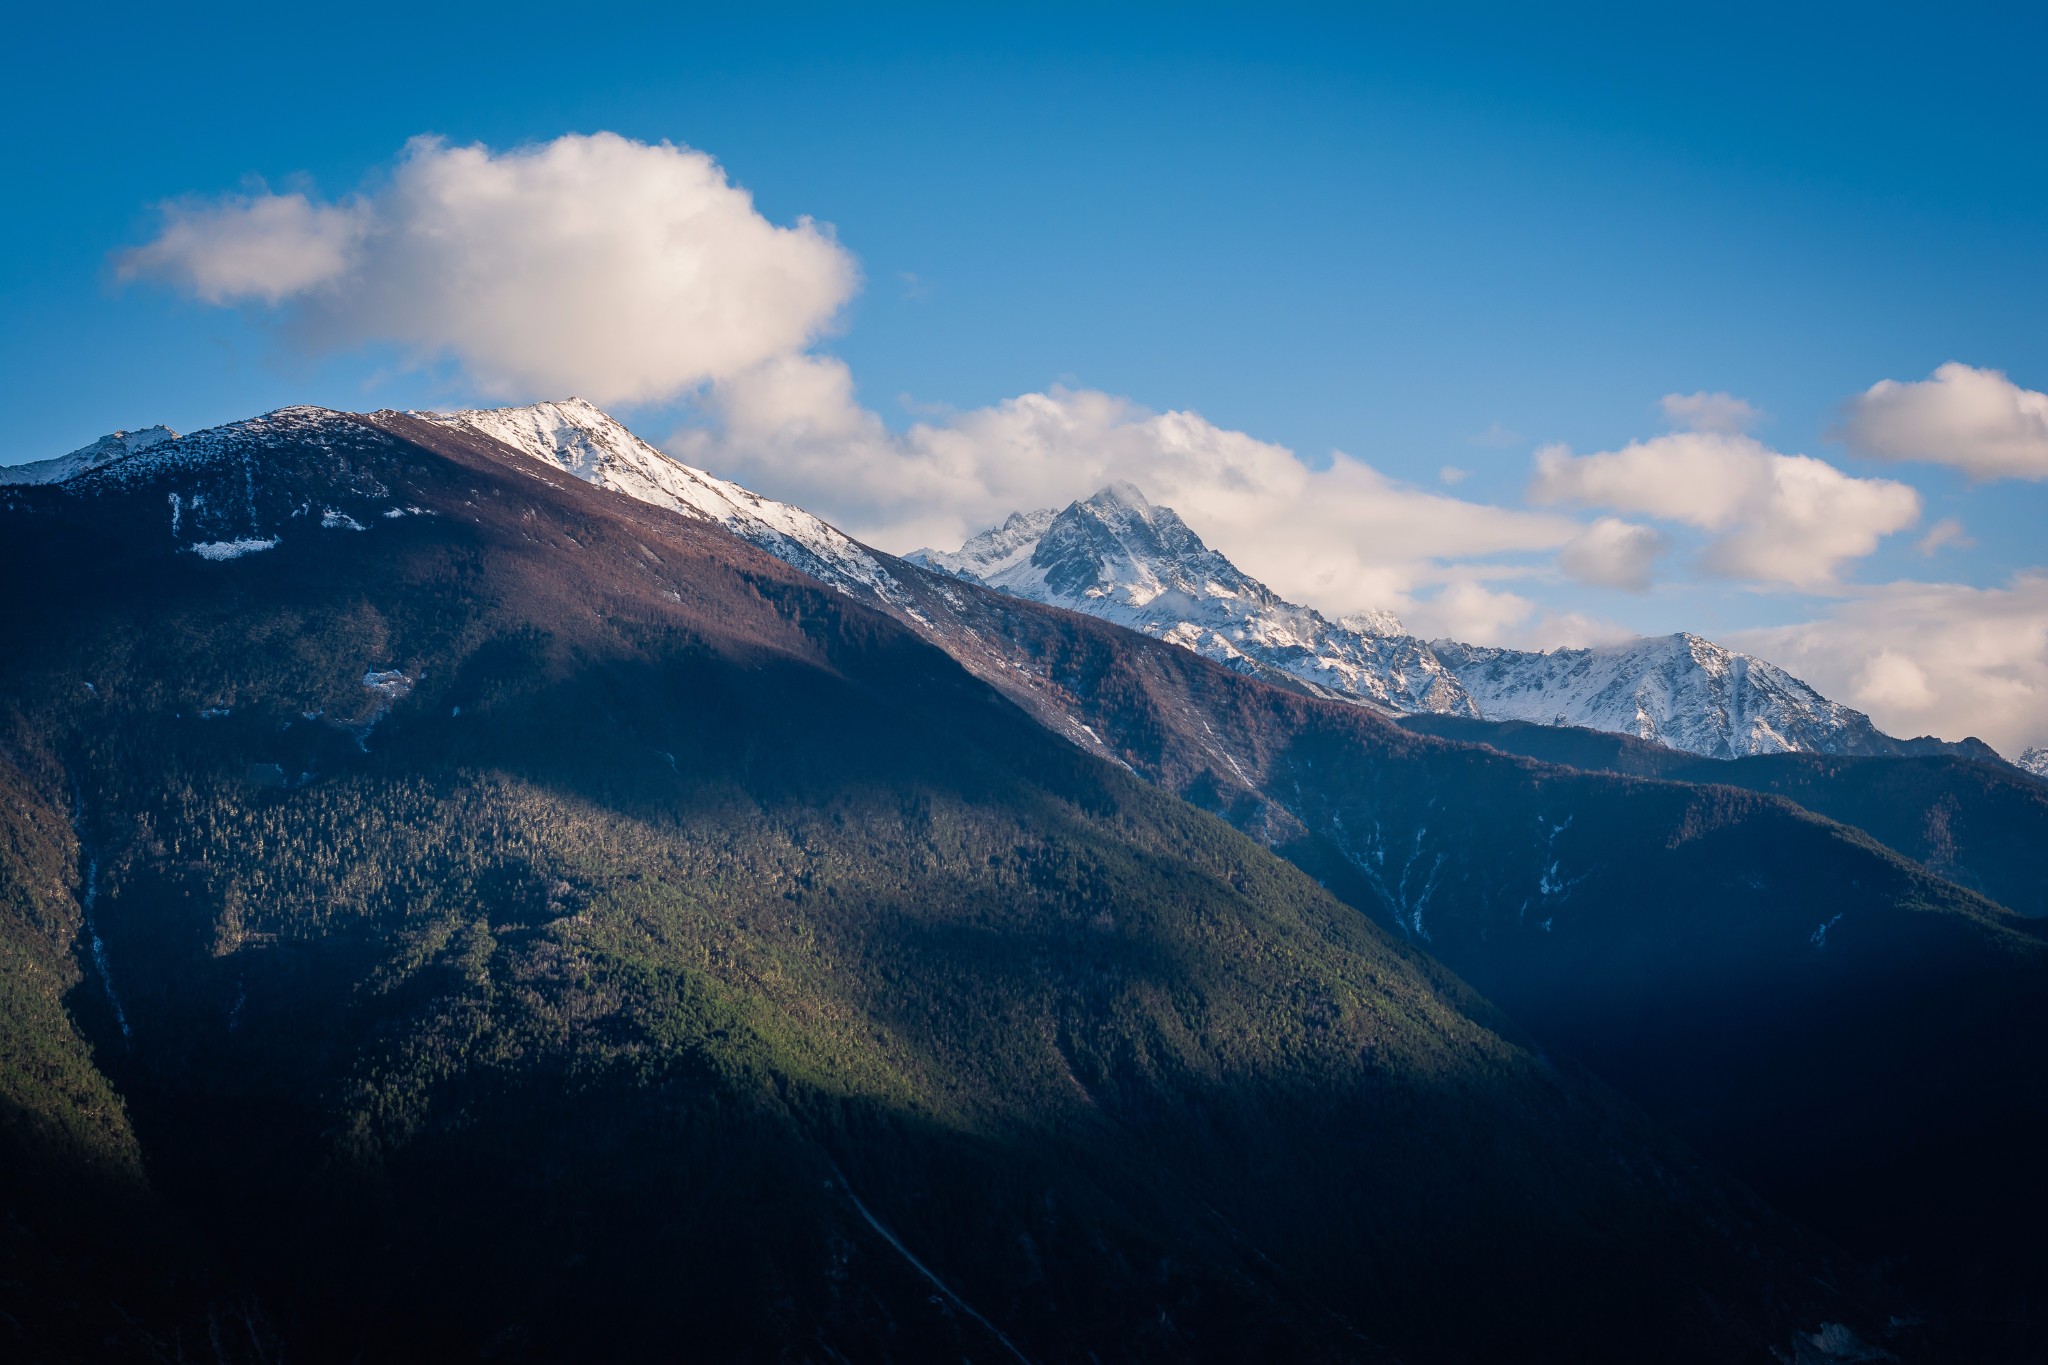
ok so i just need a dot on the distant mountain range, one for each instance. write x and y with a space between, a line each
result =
1117 556
475 885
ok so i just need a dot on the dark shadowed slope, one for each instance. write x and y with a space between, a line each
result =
545 928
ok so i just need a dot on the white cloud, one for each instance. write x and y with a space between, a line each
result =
1930 658
1722 412
618 270
1612 553
264 247
1451 474
1778 519
1976 420
1345 537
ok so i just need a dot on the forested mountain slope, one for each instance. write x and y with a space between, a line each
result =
1870 1023
1981 824
530 925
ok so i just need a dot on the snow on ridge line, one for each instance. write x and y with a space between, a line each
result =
579 438
1120 558
113 446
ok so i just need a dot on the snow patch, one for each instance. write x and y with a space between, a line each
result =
389 684
233 549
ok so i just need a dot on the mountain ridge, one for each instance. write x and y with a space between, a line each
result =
1117 556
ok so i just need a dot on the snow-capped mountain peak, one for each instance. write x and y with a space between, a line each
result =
581 439
1121 557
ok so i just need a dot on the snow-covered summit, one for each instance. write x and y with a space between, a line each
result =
579 438
2034 760
1118 556
105 450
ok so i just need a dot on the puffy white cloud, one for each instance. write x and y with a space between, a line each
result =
1976 420
264 247
1703 411
618 270
1930 658
1781 519
1612 553
1344 537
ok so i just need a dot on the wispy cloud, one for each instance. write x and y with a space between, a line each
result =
1722 412
1948 533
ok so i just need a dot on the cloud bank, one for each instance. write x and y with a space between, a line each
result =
1346 536
618 270
1777 519
1975 420
1937 658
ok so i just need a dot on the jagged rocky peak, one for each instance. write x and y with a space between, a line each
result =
2033 760
113 446
1117 543
1117 555
1373 623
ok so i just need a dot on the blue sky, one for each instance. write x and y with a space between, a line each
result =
1384 233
